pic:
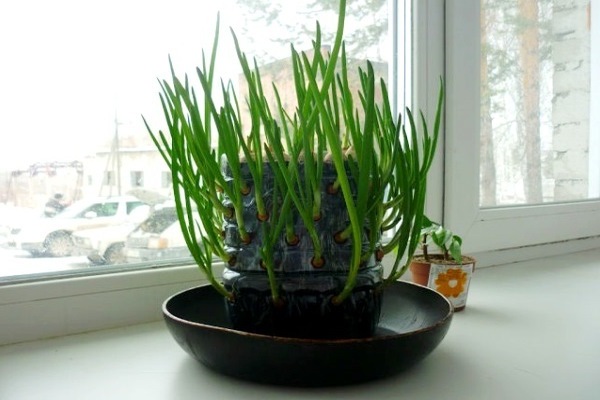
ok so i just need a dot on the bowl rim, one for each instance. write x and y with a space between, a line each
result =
327 341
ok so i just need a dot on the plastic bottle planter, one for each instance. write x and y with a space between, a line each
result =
306 309
449 278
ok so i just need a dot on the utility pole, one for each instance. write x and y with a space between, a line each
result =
117 153
113 163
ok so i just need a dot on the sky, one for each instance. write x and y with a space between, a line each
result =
70 68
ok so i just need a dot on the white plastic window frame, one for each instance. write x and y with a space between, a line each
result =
498 235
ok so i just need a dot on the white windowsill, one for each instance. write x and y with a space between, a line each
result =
530 331
39 310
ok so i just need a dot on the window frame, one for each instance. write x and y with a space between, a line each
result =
74 304
69 303
505 233
428 66
58 307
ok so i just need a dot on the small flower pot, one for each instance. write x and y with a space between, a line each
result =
445 276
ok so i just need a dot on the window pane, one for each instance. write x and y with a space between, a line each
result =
538 136
76 78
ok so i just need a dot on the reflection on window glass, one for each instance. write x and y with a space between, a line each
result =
159 220
76 78
537 132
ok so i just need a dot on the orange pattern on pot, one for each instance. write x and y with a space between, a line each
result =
451 283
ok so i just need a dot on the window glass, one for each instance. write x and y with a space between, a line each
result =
76 78
538 135
137 179
132 205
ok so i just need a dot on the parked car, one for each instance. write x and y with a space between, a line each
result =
12 217
53 236
105 245
157 238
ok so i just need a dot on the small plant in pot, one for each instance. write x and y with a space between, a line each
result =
296 203
447 270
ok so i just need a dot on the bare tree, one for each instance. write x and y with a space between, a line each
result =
529 56
516 63
487 159
369 18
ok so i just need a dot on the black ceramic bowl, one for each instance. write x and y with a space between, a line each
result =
414 321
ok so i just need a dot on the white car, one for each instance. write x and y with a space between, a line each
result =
53 236
12 217
105 245
157 238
